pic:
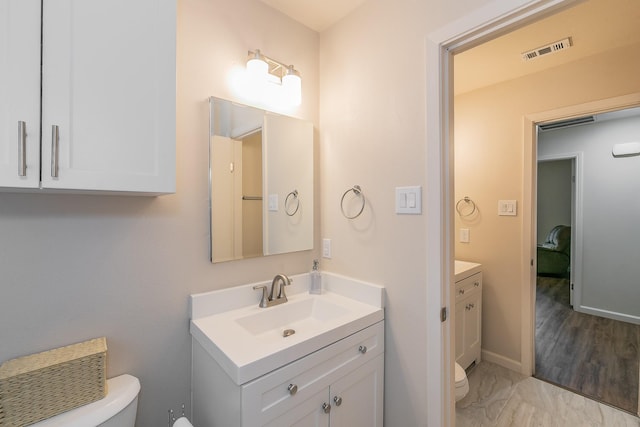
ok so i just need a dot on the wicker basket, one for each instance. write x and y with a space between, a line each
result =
39 386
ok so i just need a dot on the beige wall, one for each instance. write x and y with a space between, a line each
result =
372 121
489 167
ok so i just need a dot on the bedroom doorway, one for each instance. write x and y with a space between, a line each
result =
579 346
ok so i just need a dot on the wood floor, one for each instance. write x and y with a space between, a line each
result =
591 355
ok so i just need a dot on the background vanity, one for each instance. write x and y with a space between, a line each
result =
468 291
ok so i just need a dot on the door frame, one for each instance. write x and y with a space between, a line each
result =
489 21
530 207
575 274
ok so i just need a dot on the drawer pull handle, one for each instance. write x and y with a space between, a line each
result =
476 284
293 389
362 349
22 148
326 408
461 291
470 306
55 150
337 400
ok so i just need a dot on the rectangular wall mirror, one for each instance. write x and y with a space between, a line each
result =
260 182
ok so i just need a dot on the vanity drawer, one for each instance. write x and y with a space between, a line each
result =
468 285
269 396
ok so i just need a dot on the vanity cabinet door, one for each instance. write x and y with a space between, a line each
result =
20 93
468 332
108 95
309 413
357 399
473 325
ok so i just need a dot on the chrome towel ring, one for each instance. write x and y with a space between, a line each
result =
466 209
293 194
358 192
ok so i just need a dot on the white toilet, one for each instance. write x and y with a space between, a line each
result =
117 409
462 384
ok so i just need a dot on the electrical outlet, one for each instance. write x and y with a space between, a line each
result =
326 248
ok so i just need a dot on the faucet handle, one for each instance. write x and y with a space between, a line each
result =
264 300
286 281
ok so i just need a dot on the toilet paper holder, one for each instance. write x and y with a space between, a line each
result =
172 418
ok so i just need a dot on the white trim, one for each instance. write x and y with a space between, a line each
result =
487 22
609 314
503 361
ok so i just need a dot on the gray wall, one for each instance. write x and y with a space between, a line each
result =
554 196
611 264
75 267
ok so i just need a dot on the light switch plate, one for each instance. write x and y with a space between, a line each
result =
273 202
464 235
409 200
507 208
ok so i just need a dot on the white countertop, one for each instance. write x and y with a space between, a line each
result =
227 323
464 269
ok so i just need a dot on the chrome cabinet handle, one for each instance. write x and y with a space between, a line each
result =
55 138
326 408
22 148
293 389
362 349
461 292
476 284
337 400
469 306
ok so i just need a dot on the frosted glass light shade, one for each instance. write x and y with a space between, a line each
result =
292 86
257 68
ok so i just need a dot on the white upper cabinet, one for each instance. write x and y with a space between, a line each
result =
20 93
108 96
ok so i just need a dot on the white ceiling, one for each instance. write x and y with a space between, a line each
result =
594 27
315 14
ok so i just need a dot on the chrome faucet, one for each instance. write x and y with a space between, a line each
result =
270 300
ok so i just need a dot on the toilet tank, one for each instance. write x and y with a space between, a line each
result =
117 409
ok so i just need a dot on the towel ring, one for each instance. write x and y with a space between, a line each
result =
358 192
459 207
293 194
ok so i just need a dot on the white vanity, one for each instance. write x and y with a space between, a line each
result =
247 371
468 291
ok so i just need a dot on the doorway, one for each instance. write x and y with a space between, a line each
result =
588 344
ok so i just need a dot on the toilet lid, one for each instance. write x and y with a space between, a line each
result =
460 374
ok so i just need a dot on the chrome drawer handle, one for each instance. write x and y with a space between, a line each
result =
476 284
469 306
362 349
337 400
326 408
461 292
22 148
55 150
293 389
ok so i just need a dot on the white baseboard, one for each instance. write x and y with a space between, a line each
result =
608 314
505 362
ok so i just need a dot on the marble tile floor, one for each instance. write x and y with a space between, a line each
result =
500 397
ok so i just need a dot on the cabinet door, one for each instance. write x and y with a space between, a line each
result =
19 93
473 326
108 87
460 322
357 399
309 413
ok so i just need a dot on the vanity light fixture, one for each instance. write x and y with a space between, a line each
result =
264 71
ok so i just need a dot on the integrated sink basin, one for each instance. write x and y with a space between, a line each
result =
304 315
248 341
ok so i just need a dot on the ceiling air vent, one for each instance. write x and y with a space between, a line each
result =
567 123
545 50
